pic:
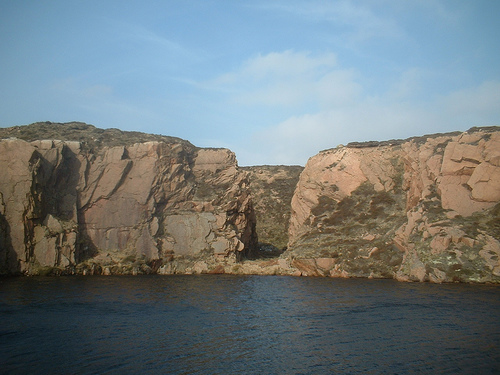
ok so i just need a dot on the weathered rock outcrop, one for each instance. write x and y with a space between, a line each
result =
94 201
161 205
424 209
272 189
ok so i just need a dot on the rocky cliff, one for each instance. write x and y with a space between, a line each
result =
423 209
272 188
89 200
77 199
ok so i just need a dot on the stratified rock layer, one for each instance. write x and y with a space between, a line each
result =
425 209
86 207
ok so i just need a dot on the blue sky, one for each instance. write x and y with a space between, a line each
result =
274 81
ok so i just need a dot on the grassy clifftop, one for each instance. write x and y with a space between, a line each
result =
94 138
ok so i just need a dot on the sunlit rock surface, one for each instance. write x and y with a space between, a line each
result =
159 205
423 209
77 199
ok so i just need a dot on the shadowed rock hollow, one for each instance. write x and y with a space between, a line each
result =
272 188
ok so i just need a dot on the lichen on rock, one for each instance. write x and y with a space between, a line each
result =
78 199
428 205
272 188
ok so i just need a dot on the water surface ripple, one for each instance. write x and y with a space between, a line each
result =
224 324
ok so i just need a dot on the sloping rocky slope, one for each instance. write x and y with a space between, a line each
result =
106 201
424 209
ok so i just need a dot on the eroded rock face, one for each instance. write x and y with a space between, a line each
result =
272 189
425 209
123 209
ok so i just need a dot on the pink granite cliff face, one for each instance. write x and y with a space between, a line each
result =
94 201
154 206
425 209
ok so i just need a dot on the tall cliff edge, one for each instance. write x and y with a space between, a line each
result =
118 202
78 199
423 209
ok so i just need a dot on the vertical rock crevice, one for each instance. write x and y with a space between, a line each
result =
160 205
112 202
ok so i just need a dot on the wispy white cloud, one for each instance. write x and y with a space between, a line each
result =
326 105
275 66
134 32
355 20
294 140
287 79
140 34
286 64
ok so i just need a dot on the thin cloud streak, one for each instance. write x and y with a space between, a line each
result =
355 20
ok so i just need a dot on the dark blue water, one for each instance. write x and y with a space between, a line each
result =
246 325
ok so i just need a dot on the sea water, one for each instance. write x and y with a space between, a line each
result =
221 324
